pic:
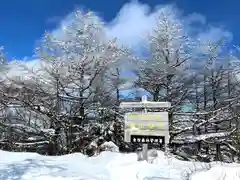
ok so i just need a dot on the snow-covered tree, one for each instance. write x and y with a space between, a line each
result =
70 85
164 72
79 61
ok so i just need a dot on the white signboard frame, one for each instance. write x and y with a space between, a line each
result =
146 124
145 121
145 104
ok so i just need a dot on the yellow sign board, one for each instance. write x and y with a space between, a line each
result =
144 117
149 126
147 121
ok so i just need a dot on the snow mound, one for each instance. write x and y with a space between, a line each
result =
109 166
223 173
109 146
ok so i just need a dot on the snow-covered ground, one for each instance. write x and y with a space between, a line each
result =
108 166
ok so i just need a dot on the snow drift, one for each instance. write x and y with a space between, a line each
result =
109 166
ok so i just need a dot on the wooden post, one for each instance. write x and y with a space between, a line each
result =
145 146
145 152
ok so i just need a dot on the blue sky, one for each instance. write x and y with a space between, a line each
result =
24 22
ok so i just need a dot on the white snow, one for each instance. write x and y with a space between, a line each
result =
109 166
110 146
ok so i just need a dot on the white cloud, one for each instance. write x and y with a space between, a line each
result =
132 23
24 69
196 18
213 33
135 20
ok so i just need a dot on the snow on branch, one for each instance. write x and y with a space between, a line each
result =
202 137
